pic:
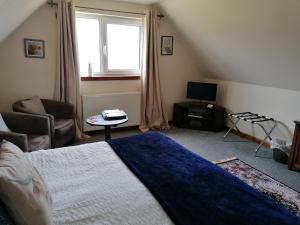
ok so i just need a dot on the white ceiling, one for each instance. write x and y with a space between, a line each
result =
15 12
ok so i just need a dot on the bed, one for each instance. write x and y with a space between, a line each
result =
112 183
90 185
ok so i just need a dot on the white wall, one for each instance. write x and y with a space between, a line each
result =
281 104
176 70
22 77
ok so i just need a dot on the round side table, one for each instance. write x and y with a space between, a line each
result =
99 121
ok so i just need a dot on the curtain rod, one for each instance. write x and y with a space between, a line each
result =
51 3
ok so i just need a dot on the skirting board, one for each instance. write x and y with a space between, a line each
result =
250 138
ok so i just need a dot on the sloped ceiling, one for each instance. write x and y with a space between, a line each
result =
14 12
239 40
245 41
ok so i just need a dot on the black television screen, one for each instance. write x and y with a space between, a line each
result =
202 91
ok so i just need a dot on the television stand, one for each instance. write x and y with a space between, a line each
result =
199 115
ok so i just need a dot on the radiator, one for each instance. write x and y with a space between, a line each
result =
95 104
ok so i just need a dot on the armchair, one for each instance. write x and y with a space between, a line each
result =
61 119
28 132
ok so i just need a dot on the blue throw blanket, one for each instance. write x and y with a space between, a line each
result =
191 189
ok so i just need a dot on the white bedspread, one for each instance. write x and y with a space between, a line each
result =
91 185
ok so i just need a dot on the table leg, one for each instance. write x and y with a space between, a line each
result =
107 133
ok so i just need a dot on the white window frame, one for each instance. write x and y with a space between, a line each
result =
105 19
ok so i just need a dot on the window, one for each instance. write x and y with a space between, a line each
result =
88 44
111 45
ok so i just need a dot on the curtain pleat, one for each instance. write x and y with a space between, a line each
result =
153 113
68 78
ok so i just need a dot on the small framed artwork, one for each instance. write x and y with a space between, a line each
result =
167 45
34 48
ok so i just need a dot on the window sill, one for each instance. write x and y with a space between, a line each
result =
114 77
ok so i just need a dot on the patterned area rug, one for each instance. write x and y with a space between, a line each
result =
263 183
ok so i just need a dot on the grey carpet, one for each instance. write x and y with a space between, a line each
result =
210 145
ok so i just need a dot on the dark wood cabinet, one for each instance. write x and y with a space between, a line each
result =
294 159
199 116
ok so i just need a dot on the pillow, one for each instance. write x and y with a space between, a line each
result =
22 189
3 126
34 105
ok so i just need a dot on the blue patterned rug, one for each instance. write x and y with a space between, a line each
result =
263 183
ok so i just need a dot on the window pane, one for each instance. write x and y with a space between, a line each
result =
88 44
123 47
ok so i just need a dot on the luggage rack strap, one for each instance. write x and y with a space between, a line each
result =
231 114
240 114
246 118
252 118
262 120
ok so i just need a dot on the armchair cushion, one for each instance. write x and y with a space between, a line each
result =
23 190
38 142
63 126
33 105
3 126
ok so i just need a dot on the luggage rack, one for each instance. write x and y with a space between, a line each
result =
252 118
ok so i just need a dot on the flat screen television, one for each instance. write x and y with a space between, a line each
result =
202 91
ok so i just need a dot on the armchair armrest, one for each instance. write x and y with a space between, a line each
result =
27 123
18 139
51 127
58 109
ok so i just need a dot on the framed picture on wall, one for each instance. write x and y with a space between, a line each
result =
167 45
34 48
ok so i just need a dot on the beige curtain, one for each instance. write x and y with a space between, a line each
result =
67 82
153 114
